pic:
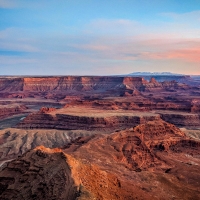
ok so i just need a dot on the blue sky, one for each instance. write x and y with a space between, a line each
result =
92 37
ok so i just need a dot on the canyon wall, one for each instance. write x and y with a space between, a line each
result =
11 84
41 120
78 83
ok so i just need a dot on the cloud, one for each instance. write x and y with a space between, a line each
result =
17 39
7 3
189 55
114 24
104 46
184 25
190 17
12 4
131 50
100 54
113 27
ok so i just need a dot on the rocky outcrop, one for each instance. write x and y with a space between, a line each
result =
158 153
145 162
137 148
46 110
51 174
11 109
153 80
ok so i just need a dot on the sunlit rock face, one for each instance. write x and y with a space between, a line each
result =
42 84
144 162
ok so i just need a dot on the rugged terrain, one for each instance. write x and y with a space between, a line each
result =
15 142
85 118
106 116
12 109
92 137
60 87
150 161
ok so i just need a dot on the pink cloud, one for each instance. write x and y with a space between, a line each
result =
186 50
189 55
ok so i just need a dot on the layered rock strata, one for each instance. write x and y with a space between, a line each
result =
80 83
137 148
181 119
88 119
11 109
154 160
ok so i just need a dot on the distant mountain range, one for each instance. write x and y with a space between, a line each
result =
154 74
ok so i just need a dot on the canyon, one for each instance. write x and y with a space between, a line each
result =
43 86
144 162
99 137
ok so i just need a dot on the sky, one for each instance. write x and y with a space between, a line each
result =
99 37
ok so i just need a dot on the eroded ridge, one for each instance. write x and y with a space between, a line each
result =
143 162
43 173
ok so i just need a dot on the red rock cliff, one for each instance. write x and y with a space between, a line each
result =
77 83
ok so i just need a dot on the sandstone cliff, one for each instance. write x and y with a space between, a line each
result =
80 83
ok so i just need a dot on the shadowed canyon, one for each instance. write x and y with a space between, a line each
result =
100 137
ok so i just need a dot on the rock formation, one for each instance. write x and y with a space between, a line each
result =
105 104
181 119
86 116
150 161
15 142
137 148
80 83
113 142
51 174
46 110
11 109
156 150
